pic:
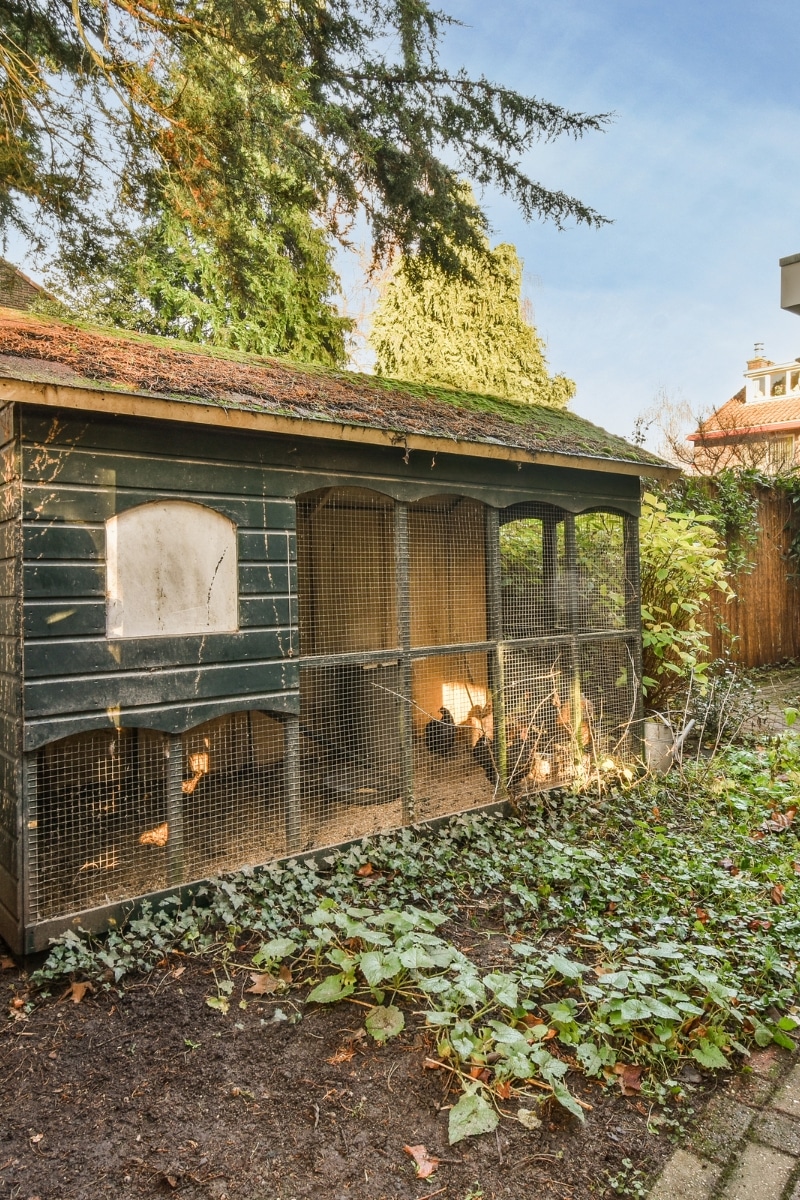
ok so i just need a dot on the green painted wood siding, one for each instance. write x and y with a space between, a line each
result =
10 678
78 473
80 470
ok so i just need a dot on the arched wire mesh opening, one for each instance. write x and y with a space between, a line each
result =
94 796
346 571
447 571
232 793
600 568
534 583
109 820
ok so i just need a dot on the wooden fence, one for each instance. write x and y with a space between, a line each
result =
764 619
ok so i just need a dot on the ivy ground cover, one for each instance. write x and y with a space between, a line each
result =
589 953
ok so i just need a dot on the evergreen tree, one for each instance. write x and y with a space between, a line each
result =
467 332
243 265
348 96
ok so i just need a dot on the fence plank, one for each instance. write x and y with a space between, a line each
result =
763 622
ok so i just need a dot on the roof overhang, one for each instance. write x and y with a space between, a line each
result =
154 406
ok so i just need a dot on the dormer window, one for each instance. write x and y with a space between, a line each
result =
778 384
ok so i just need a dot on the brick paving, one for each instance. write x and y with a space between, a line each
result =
747 1146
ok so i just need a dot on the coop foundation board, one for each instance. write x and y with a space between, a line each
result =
221 647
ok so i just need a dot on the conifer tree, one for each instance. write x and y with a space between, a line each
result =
468 333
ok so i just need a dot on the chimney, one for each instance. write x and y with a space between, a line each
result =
758 360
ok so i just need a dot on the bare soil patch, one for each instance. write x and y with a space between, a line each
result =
147 1091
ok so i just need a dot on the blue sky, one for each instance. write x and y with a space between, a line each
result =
699 172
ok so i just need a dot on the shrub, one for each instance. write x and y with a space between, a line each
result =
682 563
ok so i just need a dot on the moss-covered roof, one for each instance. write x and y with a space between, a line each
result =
76 355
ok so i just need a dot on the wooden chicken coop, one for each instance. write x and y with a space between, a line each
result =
251 610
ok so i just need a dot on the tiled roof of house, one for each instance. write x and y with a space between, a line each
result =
736 418
73 355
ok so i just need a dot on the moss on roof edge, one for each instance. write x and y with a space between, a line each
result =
584 436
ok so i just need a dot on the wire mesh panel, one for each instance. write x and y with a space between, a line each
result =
350 747
447 571
600 570
533 574
456 763
346 571
232 793
611 693
544 738
97 796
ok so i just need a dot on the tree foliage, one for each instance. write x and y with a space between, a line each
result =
241 133
465 332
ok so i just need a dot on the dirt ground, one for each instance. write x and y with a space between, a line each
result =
150 1092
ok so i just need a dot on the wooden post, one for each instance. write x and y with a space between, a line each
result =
575 706
550 571
175 863
494 632
633 620
291 783
403 605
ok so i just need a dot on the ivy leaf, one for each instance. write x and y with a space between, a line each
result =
565 968
471 1116
709 1055
567 1100
384 1021
330 990
274 950
505 988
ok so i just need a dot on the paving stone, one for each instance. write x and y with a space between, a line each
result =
760 1174
751 1089
778 1131
722 1126
788 1098
686 1177
770 1062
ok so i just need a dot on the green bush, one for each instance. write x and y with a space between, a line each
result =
682 564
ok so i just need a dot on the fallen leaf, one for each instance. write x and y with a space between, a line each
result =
36 1138
425 1164
285 973
776 894
431 1064
7 964
630 1078
384 1021
657 812
177 972
343 1055
503 1089
263 984
551 1033
528 1118
796 868
365 870
757 924
702 915
157 836
78 990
